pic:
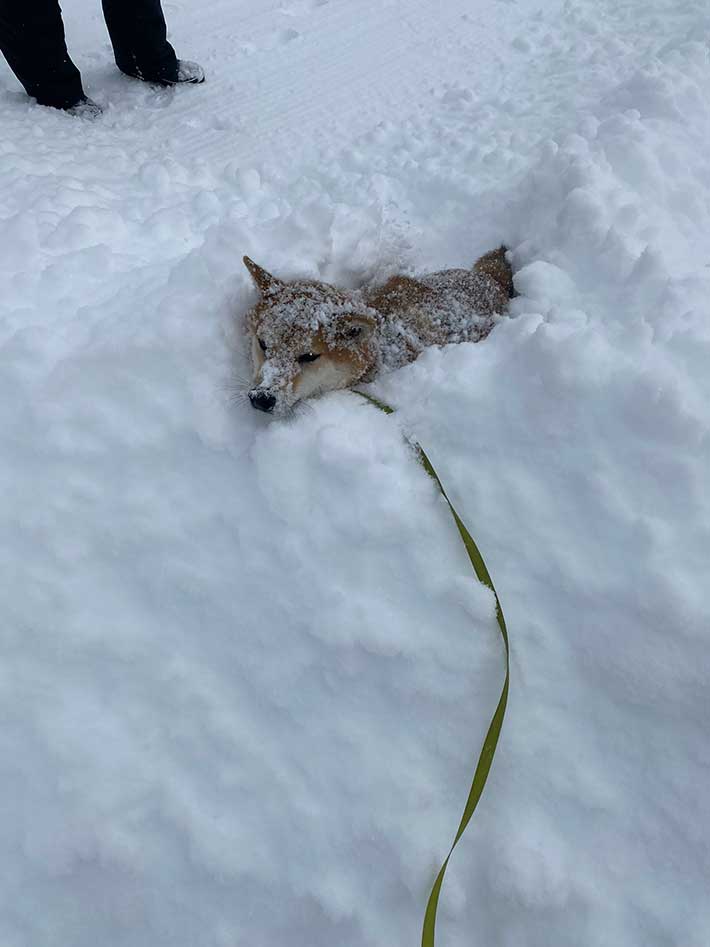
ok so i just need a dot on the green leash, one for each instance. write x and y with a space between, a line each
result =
490 743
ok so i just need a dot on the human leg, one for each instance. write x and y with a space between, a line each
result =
139 38
33 42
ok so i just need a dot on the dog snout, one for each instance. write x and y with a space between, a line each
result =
262 400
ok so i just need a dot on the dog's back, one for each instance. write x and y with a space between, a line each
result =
440 308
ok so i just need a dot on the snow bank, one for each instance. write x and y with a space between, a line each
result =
587 419
245 670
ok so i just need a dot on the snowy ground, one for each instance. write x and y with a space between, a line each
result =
245 673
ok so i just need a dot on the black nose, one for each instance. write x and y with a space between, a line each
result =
262 400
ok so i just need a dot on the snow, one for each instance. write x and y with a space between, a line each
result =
245 672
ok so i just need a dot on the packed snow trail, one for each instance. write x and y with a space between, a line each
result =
245 673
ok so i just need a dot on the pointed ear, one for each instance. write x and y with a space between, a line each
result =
357 328
265 282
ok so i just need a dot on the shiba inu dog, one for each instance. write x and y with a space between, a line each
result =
308 337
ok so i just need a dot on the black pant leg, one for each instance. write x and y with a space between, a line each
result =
139 38
33 42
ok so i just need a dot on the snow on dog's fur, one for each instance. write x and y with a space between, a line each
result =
308 337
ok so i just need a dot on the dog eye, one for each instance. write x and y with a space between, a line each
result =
262 345
308 357
353 332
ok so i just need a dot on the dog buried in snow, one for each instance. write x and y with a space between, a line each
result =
308 337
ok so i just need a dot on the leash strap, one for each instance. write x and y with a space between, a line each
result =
491 741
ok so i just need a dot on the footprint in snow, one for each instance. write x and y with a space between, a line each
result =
286 36
279 38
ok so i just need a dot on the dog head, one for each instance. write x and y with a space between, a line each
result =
306 338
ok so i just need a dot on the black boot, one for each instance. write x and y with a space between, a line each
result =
86 108
187 72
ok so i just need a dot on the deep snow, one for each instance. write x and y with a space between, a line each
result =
245 672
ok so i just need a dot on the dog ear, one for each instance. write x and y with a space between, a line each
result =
357 328
265 282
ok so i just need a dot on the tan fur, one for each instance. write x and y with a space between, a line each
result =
495 265
319 338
